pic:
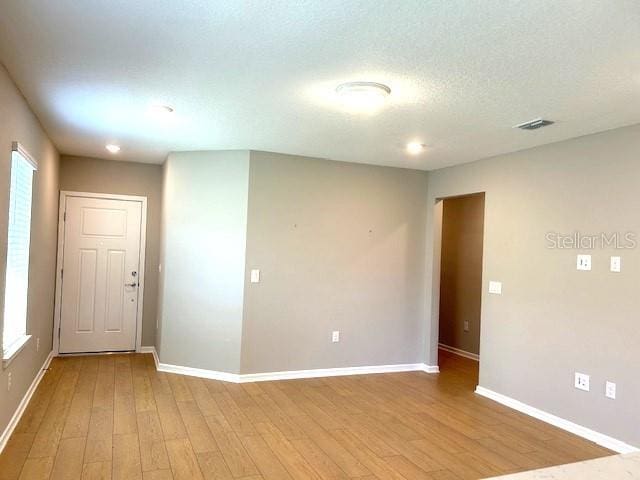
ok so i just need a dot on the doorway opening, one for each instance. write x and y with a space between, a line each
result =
462 235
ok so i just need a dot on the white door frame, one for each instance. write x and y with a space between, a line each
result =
143 240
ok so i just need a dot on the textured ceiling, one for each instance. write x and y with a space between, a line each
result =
260 74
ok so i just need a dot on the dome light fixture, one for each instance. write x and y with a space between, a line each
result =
414 148
364 97
112 148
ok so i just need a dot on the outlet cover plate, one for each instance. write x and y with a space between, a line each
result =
495 287
615 264
610 390
581 381
583 262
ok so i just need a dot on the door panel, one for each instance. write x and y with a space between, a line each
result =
104 222
115 292
101 261
85 313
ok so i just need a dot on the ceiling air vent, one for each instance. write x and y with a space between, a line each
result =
534 124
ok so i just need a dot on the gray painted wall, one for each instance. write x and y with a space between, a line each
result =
552 320
203 259
340 247
83 174
461 272
19 124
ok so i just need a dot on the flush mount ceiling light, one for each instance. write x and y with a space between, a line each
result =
414 148
362 96
112 148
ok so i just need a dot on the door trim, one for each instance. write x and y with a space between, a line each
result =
60 257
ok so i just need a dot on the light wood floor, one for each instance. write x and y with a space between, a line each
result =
117 417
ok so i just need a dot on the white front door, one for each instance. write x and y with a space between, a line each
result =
100 274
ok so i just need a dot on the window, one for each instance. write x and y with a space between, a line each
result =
14 335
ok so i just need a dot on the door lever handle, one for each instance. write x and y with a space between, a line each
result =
134 284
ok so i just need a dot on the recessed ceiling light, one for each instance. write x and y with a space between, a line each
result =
414 148
363 96
161 109
112 148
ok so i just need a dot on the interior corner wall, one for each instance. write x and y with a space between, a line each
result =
82 174
552 320
204 225
340 246
21 125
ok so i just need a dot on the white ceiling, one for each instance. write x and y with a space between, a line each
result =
258 74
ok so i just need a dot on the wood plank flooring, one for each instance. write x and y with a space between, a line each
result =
115 416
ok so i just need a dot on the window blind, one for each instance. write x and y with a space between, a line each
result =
19 235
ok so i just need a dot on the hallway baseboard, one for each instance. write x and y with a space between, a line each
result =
457 351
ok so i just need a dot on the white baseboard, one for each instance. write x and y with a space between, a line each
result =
337 372
430 368
198 372
579 430
288 375
13 423
457 351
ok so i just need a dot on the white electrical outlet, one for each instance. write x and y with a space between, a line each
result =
9 382
582 381
37 344
615 264
610 390
335 336
466 325
495 287
584 262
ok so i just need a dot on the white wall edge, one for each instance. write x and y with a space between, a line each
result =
287 375
457 351
584 432
13 423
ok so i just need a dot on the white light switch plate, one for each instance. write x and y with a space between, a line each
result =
255 276
615 264
581 381
495 287
584 262
335 336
